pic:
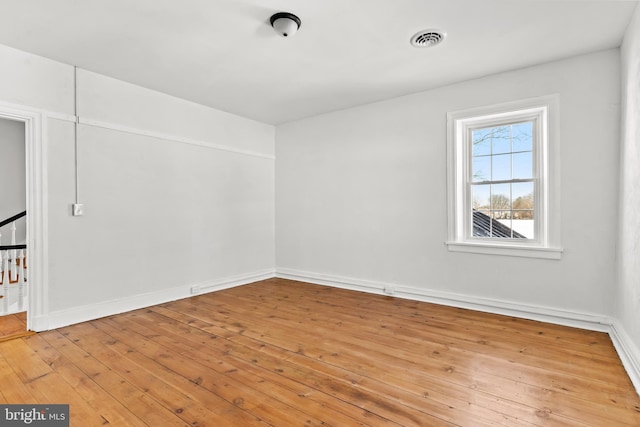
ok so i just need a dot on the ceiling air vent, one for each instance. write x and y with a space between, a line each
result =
427 38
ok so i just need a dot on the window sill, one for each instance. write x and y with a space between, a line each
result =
505 250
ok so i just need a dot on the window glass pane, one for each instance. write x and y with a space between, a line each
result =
523 206
481 169
501 224
501 167
500 196
523 223
523 165
523 214
481 139
522 194
480 196
522 136
501 139
481 223
501 214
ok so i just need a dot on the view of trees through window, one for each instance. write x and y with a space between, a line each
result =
502 184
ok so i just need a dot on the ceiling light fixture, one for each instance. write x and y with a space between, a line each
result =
428 38
286 24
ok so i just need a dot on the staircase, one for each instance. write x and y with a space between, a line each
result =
13 269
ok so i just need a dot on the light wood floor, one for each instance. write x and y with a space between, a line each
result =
285 353
13 326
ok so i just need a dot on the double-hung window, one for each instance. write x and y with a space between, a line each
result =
502 179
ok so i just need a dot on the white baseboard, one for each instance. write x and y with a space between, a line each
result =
628 352
61 318
38 323
543 314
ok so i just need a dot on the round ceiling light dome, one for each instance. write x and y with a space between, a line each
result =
428 38
286 24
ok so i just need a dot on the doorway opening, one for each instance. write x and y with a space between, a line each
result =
14 283
23 306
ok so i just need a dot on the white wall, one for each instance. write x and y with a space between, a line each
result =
361 193
175 193
12 178
32 81
627 307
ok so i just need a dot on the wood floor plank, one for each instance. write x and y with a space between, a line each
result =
522 351
296 350
44 384
137 401
341 412
250 361
13 326
588 386
171 362
440 317
343 353
363 356
387 308
612 371
422 319
457 357
440 352
280 353
151 381
24 361
109 409
13 389
53 389
286 398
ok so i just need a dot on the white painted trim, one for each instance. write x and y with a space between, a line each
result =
8 106
61 318
508 250
544 110
172 138
37 209
628 352
544 314
59 116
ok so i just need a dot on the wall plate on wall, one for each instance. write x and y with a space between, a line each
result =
77 209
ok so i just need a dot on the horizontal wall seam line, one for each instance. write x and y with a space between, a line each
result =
171 138
135 131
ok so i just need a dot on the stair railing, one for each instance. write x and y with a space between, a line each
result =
13 270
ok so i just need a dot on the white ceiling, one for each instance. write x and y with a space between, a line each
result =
224 54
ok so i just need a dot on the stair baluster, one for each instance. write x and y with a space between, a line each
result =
25 269
5 284
5 268
21 279
13 277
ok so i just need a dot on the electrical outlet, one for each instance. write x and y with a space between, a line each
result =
195 290
77 209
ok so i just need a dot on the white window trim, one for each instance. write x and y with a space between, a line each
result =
546 160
